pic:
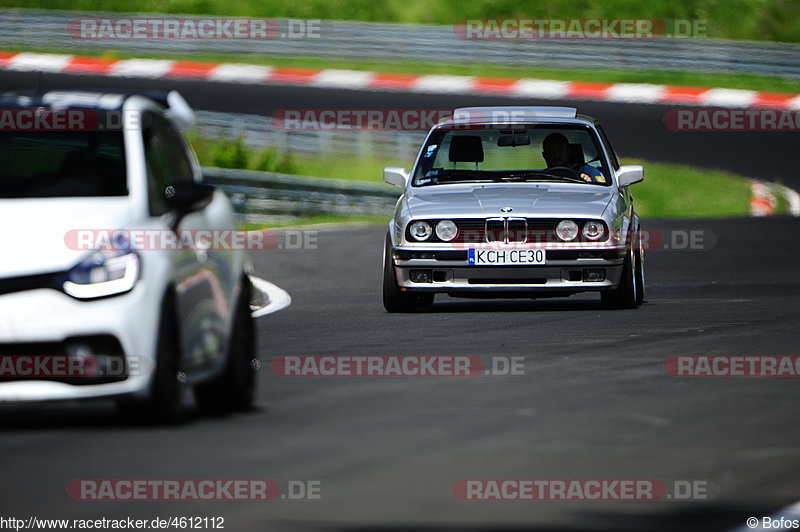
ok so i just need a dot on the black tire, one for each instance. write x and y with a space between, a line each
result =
394 300
234 390
640 280
626 294
164 404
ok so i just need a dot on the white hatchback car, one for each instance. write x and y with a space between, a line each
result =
96 300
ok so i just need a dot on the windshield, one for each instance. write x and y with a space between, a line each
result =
46 164
525 153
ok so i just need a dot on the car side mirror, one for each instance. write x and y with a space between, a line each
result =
394 175
189 196
628 175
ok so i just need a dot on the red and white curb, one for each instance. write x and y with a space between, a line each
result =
764 198
363 80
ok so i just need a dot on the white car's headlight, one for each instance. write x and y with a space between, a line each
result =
103 273
421 231
446 230
593 230
567 230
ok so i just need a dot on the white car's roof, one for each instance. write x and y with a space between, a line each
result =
176 108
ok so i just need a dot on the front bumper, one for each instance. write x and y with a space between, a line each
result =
566 271
41 323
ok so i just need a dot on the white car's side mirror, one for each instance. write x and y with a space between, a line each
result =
394 175
628 175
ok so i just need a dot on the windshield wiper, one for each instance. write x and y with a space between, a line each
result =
458 176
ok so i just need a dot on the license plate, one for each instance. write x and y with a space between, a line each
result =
505 257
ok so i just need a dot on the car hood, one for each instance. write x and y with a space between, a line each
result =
527 200
34 230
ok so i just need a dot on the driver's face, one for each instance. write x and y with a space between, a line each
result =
556 154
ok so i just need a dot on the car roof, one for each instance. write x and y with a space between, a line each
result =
172 102
69 98
515 114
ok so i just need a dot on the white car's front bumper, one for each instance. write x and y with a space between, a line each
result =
32 318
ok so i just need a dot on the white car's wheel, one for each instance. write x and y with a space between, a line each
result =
164 403
234 390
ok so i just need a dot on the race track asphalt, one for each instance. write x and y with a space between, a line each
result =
594 402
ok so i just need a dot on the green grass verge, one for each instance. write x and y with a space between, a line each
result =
662 77
676 191
224 153
776 20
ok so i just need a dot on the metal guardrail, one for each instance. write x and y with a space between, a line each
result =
260 131
37 29
261 197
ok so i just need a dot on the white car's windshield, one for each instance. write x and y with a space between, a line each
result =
521 153
46 164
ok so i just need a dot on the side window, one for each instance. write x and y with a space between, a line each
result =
158 170
166 160
176 152
611 153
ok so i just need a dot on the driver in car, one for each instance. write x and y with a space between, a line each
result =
556 153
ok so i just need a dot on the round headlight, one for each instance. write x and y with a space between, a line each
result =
567 230
421 231
593 230
446 230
